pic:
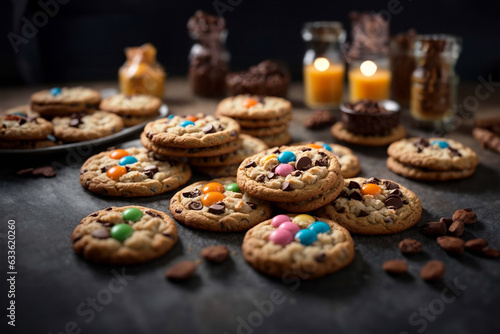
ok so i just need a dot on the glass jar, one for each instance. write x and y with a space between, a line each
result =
434 81
369 78
402 66
324 67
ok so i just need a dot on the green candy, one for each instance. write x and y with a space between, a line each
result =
132 214
121 232
233 187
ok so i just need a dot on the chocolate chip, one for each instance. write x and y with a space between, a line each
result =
127 168
323 154
108 208
181 271
490 252
195 206
215 254
251 164
252 206
22 120
178 210
362 213
95 214
373 180
356 196
476 245
393 203
271 175
46 171
287 186
454 152
340 210
322 162
75 122
209 128
83 171
396 193
466 215
405 202
343 194
388 220
305 149
433 271
192 194
390 185
395 267
276 151
303 163
434 228
447 221
100 233
217 208
421 142
457 228
152 214
410 246
260 178
104 169
168 235
320 257
233 133
354 185
151 170
451 244
297 173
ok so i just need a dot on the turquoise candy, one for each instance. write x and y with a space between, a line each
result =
186 123
320 227
19 113
121 232
327 147
132 214
233 187
440 143
55 91
127 160
170 116
306 237
286 157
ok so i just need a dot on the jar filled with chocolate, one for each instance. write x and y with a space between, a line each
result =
208 59
402 66
434 81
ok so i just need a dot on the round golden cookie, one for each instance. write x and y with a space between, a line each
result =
133 105
129 120
68 101
232 211
152 235
392 210
342 134
82 126
427 174
23 110
263 123
312 172
427 153
279 139
332 251
16 128
265 131
148 176
262 108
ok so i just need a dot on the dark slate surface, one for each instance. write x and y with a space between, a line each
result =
53 285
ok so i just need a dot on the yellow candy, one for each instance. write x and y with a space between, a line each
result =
269 157
306 219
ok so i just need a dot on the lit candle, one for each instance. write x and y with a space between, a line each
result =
324 83
369 82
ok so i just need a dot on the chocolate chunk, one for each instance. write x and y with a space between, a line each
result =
101 233
22 120
434 228
343 194
209 128
127 168
432 271
388 220
276 151
152 214
396 193
192 194
322 162
178 210
410 246
373 180
287 186
159 157
75 122
405 202
46 171
421 142
393 203
252 206
356 196
108 208
95 214
297 173
395 267
168 235
305 149
303 163
271 175
260 178
457 228
233 133
363 213
251 164
454 152
215 254
151 170
104 169
447 221
181 271
451 244
83 171
354 185
466 215
320 257
340 210
323 154
195 206
217 208
490 252
476 245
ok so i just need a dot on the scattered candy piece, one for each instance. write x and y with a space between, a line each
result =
289 226
211 198
186 123
281 236
279 219
250 103
303 218
371 189
286 157
284 169
116 172
306 237
314 146
269 157
327 147
118 154
181 271
170 116
233 187
132 214
212 187
440 143
215 254
121 232
55 91
320 227
127 160
191 118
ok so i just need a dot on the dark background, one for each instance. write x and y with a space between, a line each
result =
86 38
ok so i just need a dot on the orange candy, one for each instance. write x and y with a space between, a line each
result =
191 118
212 198
212 187
249 102
314 146
116 172
118 154
370 189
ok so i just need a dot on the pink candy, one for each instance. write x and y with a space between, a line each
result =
279 219
281 236
284 169
289 226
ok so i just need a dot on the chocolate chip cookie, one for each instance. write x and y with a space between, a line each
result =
14 127
253 107
65 101
124 235
82 126
134 109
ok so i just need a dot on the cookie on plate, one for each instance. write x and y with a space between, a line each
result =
132 172
339 132
134 109
65 101
14 128
82 126
218 205
23 111
289 173
374 206
124 235
300 246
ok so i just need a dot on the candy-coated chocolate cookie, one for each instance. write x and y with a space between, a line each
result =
424 174
339 132
196 152
82 126
374 206
300 246
124 235
65 101
249 146
254 107
132 172
349 163
133 105
289 173
16 127
194 131
434 153
218 205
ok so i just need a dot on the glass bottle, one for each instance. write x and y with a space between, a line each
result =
324 67
402 66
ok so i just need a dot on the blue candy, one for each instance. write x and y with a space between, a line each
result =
320 227
306 237
286 157
55 91
441 144
186 123
51 138
170 116
327 147
127 160
20 114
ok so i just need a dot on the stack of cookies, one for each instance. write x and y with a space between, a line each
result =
133 109
433 159
264 117
294 178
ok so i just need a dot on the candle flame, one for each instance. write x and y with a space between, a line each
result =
368 68
321 64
